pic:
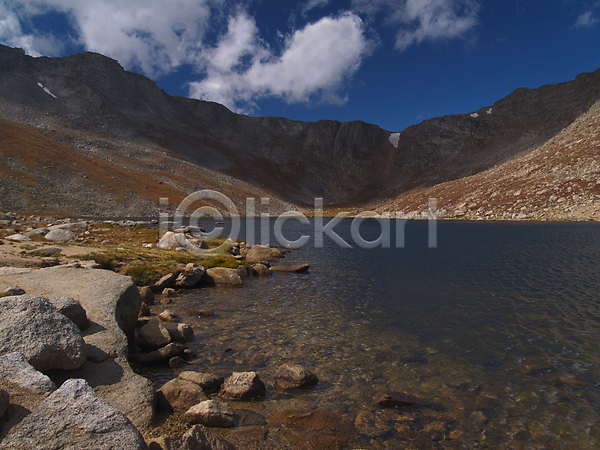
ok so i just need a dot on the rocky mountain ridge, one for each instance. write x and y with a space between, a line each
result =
88 97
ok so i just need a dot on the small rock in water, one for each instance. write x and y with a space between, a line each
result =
202 313
261 270
169 292
180 332
220 276
162 355
168 316
399 399
299 268
177 362
153 335
147 296
165 282
179 394
210 384
291 376
244 386
210 413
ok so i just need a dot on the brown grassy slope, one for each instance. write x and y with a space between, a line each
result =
558 181
64 172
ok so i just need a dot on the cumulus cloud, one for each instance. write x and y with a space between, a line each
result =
423 20
154 35
586 20
315 63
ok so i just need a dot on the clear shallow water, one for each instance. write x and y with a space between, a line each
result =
499 325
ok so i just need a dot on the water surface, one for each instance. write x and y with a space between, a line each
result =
499 325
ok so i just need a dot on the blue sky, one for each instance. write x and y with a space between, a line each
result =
389 62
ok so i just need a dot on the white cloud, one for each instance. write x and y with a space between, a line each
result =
316 62
313 4
154 35
423 20
586 20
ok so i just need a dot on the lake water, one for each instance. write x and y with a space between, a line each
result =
499 326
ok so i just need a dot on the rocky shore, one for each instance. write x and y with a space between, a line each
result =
72 332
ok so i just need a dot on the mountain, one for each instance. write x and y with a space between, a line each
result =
96 107
560 180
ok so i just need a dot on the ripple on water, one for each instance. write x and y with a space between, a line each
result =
499 325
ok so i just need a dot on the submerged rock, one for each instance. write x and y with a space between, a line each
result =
291 376
162 355
299 268
73 417
390 399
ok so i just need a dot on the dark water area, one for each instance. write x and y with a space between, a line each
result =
500 324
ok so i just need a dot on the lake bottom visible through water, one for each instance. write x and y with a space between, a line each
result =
497 328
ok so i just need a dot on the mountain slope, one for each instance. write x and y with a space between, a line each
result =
560 180
346 163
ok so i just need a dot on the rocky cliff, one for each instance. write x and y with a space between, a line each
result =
346 163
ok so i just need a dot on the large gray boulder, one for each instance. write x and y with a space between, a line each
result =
75 227
16 371
34 327
112 303
60 235
73 417
72 310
